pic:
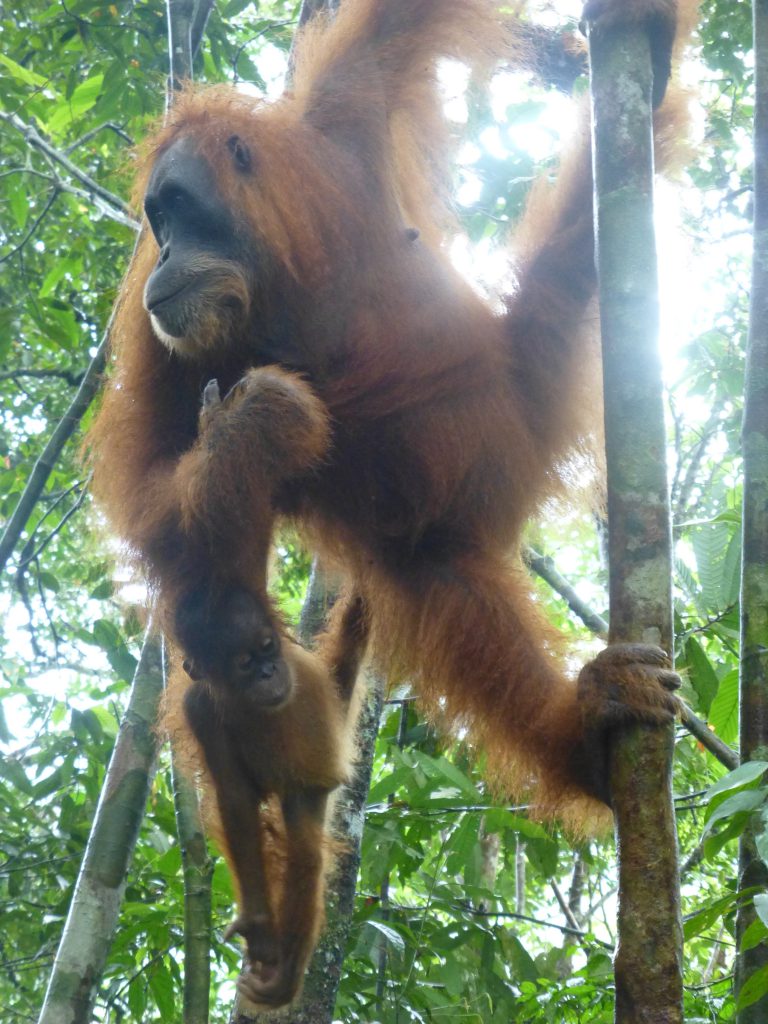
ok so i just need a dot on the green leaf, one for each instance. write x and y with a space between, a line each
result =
542 854
451 974
102 591
741 776
23 75
17 196
707 916
161 987
13 771
761 844
457 778
169 864
521 963
137 997
82 99
713 844
724 710
754 988
755 934
392 937
745 802
732 570
761 906
48 785
710 543
700 671
5 733
57 272
49 581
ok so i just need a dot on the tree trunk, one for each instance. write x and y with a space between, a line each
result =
198 874
649 953
98 894
754 580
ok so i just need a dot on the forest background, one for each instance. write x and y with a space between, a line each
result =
464 909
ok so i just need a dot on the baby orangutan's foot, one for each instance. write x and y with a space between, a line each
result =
275 970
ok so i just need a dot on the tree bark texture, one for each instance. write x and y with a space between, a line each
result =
186 24
648 959
754 581
95 906
198 875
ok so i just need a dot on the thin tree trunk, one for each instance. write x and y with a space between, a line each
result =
198 874
649 954
754 580
49 457
98 894
186 22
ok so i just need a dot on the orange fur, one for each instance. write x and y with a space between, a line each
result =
405 426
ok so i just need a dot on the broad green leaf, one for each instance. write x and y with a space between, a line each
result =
707 916
740 803
49 784
700 671
754 988
59 270
393 937
755 934
710 543
13 771
17 197
137 997
520 961
761 906
81 100
458 778
724 709
761 844
22 74
741 776
162 989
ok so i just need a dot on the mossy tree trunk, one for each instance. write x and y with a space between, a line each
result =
649 954
98 895
752 962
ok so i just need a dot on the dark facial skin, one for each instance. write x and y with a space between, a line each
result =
200 286
229 643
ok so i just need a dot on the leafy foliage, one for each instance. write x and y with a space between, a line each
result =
459 911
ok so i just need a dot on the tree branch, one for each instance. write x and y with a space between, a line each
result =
35 225
37 141
110 125
75 379
47 459
544 567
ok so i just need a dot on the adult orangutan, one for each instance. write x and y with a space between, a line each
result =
293 342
